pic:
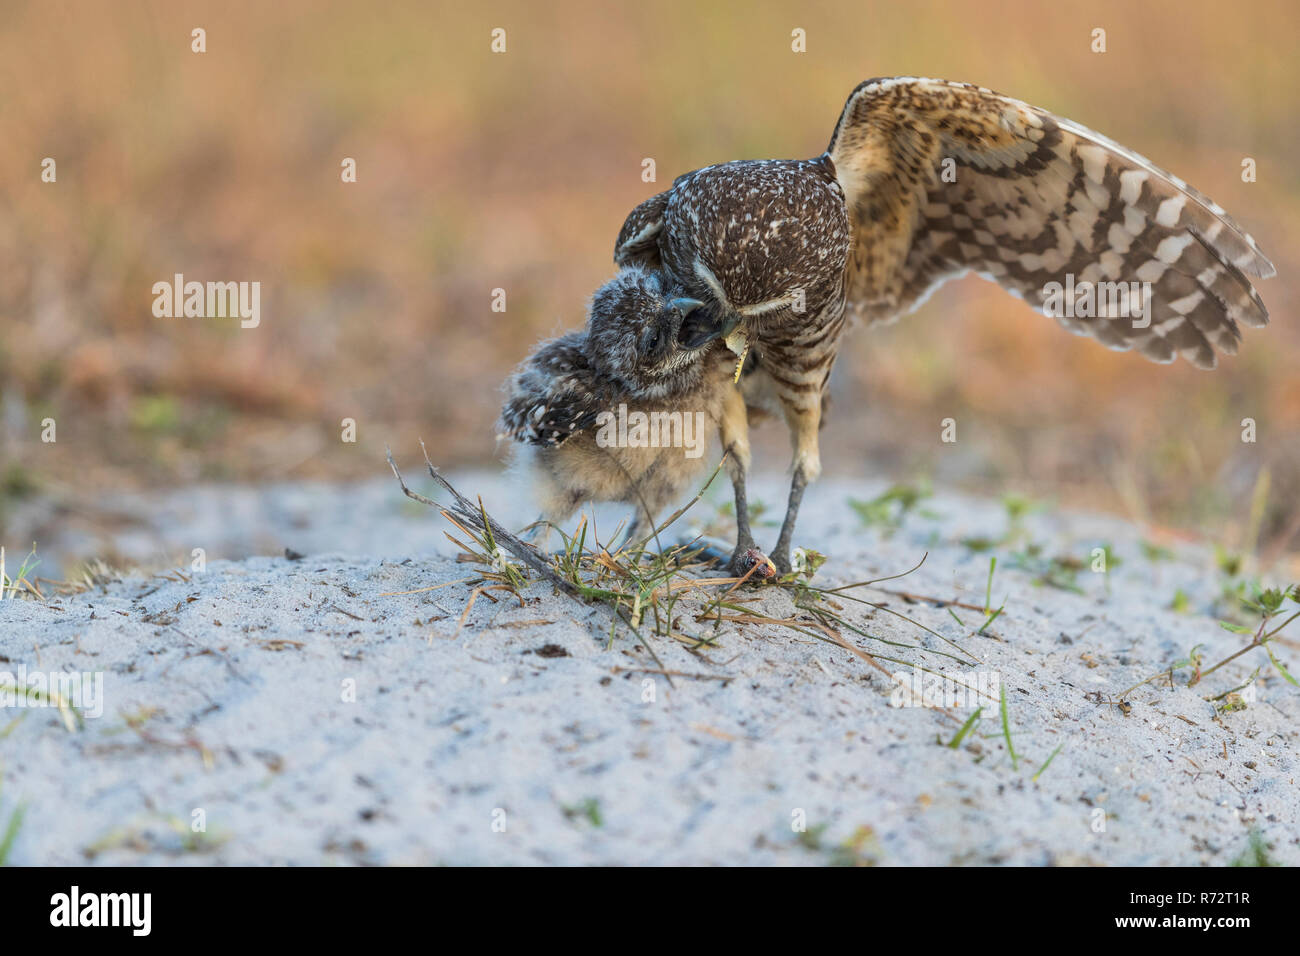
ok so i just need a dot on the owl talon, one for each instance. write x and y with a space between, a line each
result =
781 560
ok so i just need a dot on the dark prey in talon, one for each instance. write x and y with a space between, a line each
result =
925 180
756 559
623 412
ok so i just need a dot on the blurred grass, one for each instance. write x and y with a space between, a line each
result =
479 171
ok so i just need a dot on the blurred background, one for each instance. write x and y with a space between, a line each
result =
479 171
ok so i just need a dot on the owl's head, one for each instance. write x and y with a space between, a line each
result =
635 329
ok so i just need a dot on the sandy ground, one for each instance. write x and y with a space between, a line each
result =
305 714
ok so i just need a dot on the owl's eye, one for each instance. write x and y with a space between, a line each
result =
650 341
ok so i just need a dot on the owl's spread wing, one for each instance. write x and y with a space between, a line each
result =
554 395
943 178
638 240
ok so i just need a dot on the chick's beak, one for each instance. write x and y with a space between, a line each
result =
700 326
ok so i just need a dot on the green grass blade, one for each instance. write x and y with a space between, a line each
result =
965 729
1006 729
1049 759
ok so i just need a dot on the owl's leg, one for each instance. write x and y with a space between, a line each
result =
648 496
781 553
558 503
733 429
637 528
744 537
539 533
804 422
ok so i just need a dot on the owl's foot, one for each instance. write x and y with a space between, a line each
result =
538 534
742 558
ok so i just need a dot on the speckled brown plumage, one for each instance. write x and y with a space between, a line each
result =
925 180
1035 198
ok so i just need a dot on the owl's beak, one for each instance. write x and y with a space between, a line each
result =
694 322
701 326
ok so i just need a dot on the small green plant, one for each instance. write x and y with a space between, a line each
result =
17 482
1154 552
1227 562
10 832
155 413
1018 508
861 848
1194 659
1006 729
24 584
1231 703
811 837
158 833
1267 604
588 809
757 509
966 728
1061 572
887 511
990 614
1229 603
1256 852
1048 761
988 588
806 561
1108 558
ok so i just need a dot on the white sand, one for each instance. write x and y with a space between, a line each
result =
447 731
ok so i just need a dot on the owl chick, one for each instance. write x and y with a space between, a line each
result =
622 411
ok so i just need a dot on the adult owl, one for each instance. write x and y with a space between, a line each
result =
925 180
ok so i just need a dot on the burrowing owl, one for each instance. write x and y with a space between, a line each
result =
621 411
925 180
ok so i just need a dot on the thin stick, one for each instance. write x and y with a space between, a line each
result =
660 670
435 587
863 584
481 520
